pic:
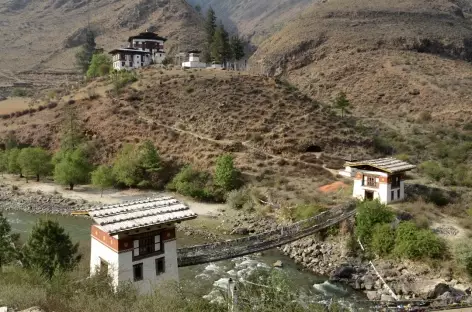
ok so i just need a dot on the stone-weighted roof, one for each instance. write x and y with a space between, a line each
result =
390 164
127 216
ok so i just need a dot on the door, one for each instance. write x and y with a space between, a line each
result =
369 195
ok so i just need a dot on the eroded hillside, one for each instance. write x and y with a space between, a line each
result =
45 34
194 116
393 59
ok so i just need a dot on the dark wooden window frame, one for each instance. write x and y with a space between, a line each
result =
147 247
371 181
396 181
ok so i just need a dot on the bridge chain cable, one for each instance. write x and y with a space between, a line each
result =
236 248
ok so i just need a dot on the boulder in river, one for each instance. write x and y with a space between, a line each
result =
443 288
342 272
278 264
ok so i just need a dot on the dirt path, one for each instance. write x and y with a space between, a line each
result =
90 194
230 142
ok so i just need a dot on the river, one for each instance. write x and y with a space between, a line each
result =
209 276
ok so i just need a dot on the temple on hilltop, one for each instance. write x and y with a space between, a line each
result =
144 49
136 241
381 179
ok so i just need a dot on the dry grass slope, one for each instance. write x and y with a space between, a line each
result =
393 59
45 34
193 117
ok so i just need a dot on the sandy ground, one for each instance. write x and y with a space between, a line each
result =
14 104
90 194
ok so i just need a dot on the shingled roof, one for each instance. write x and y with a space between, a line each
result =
127 216
390 164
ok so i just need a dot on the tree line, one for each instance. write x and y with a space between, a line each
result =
220 47
135 165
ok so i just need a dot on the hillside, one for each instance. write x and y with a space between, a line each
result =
44 35
255 19
275 132
393 59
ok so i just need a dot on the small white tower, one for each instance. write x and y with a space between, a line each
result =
382 179
136 241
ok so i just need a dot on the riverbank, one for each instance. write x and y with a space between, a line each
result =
328 257
333 256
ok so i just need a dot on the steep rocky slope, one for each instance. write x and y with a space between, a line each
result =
45 34
393 59
255 19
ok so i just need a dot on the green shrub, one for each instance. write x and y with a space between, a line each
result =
196 184
463 255
236 199
468 266
226 175
433 170
370 213
99 66
303 212
19 92
383 239
122 78
416 244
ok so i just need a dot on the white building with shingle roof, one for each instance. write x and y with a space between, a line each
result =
136 241
382 179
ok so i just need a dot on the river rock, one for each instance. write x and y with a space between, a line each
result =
343 272
443 288
278 264
369 282
386 298
240 231
372 295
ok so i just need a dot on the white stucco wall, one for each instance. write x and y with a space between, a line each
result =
383 193
194 65
99 250
150 278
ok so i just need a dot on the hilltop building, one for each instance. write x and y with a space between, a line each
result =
136 241
144 49
381 179
193 60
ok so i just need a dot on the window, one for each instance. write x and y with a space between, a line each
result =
392 196
147 246
395 181
123 64
398 194
160 266
370 181
138 272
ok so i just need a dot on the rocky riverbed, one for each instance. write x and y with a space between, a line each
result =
38 202
331 257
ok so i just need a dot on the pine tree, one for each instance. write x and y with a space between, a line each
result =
220 48
7 242
3 161
342 103
84 56
50 249
72 136
237 48
210 28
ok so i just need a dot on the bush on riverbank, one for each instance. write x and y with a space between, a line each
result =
375 228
